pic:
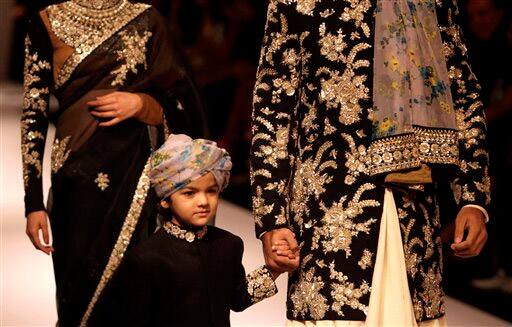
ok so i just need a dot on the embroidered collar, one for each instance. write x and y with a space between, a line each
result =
184 234
97 4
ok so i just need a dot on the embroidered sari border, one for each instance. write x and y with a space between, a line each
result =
130 222
407 151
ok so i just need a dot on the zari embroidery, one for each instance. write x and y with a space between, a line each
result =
260 209
305 294
102 181
432 293
306 7
98 4
85 29
60 153
410 150
34 102
366 259
260 284
123 240
337 225
358 160
183 234
132 54
310 179
345 293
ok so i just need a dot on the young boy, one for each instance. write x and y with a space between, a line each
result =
188 273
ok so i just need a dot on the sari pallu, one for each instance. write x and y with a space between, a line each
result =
100 203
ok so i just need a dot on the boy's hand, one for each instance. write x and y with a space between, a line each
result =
283 249
272 259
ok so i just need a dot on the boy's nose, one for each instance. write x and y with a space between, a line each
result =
201 200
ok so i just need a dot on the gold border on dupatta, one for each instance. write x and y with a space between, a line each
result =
123 240
422 145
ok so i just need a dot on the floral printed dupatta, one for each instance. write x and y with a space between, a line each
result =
413 118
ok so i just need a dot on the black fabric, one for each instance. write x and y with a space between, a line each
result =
166 281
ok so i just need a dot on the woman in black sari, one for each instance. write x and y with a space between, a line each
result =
120 88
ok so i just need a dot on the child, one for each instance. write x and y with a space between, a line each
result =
188 273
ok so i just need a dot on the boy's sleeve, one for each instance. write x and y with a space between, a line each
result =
256 286
132 293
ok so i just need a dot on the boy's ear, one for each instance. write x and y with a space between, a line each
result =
165 203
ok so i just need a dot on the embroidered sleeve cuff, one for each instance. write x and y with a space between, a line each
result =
260 284
486 214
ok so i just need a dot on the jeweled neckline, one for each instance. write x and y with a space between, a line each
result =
98 4
184 234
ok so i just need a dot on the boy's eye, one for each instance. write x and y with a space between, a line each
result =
213 191
188 193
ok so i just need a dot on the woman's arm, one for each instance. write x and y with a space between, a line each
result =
34 126
119 106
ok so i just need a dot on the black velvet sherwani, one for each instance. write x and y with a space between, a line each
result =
312 163
169 281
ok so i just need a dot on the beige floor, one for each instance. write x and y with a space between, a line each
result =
26 277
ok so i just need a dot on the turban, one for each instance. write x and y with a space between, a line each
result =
181 160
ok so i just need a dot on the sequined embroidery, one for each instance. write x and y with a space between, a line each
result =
183 234
345 293
305 294
260 284
85 28
410 150
35 102
366 259
132 54
60 153
338 227
310 179
102 181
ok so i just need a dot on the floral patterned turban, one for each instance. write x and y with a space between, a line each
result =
181 160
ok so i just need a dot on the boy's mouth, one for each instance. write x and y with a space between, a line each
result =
202 213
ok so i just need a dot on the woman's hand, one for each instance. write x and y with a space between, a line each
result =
118 106
36 221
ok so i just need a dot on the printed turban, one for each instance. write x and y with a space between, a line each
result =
181 160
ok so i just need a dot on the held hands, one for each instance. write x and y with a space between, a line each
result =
280 250
36 221
471 220
117 106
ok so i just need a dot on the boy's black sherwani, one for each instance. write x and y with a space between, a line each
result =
169 281
311 161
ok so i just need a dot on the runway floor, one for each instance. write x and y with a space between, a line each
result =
26 276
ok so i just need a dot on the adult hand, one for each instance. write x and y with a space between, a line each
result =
272 259
118 106
36 221
471 220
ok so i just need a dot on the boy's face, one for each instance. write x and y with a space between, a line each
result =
195 204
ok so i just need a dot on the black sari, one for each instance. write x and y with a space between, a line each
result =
100 203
